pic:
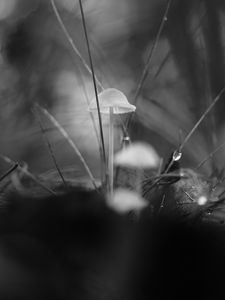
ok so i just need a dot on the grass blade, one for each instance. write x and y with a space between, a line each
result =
77 52
29 174
201 119
94 82
69 140
36 114
149 58
8 172
70 40
151 53
180 148
210 155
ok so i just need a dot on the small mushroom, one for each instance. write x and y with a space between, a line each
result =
202 200
139 156
112 98
112 101
125 200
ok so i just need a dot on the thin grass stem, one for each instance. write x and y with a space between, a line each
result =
210 156
70 40
29 174
215 100
8 172
94 83
49 146
149 59
71 143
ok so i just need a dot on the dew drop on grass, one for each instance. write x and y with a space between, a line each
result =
177 155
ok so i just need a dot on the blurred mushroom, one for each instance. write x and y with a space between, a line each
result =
112 101
138 156
124 201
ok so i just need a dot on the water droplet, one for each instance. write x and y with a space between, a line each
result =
177 155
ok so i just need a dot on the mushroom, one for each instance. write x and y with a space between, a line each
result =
125 200
139 156
111 102
202 200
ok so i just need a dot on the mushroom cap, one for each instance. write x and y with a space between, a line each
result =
112 98
202 200
137 155
125 200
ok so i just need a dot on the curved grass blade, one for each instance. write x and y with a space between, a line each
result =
29 174
36 114
69 140
70 40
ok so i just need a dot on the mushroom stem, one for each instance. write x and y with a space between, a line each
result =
111 152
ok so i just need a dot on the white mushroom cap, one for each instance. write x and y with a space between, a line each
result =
202 200
125 200
137 155
112 98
